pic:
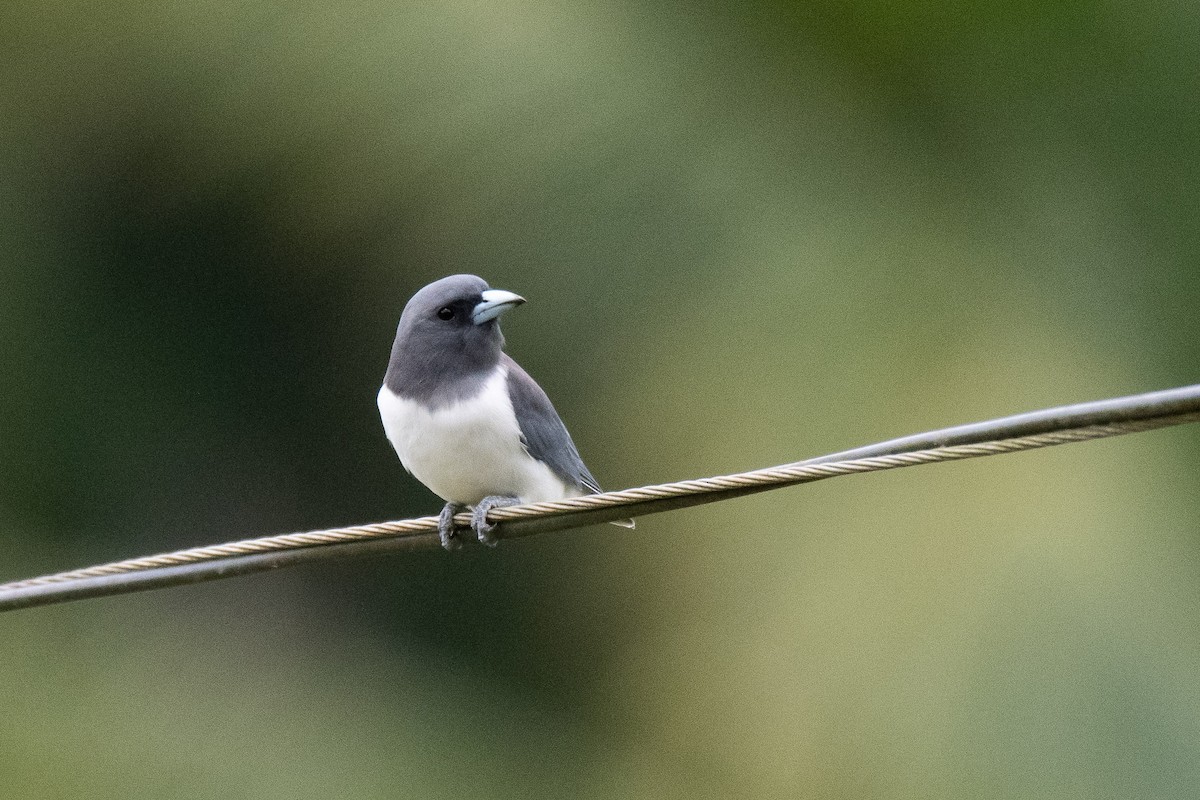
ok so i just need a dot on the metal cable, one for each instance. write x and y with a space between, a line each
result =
1036 430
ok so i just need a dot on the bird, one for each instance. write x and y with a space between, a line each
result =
465 419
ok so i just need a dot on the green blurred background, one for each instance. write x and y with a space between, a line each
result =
749 234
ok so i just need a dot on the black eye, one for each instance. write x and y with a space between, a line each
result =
445 312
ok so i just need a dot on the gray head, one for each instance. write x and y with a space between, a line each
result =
448 338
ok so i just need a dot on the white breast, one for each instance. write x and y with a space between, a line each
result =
470 449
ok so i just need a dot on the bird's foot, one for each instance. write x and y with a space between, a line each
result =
446 533
483 528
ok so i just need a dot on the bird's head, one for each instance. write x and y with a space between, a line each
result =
452 325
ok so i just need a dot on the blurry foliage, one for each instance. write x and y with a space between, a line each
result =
749 233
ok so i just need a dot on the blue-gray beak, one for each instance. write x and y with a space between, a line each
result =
495 302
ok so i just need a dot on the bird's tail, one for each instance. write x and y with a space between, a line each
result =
624 523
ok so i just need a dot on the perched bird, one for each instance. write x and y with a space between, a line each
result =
464 418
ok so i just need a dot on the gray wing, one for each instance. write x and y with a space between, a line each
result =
544 435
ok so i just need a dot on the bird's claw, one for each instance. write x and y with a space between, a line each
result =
446 531
483 528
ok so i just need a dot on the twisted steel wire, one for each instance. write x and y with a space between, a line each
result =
1132 414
